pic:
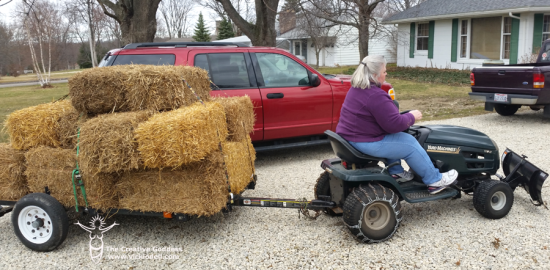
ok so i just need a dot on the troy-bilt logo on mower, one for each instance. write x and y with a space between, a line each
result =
443 149
96 231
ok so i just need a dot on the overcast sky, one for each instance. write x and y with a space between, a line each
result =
7 12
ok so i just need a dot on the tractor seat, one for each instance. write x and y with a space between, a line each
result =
348 153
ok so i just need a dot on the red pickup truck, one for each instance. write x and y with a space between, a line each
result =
294 104
508 87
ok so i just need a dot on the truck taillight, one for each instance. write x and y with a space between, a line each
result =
391 92
472 79
538 79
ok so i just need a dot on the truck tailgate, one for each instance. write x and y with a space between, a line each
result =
504 79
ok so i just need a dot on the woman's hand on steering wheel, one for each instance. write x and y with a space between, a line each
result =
417 114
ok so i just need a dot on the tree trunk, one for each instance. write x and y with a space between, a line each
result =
262 33
137 18
364 35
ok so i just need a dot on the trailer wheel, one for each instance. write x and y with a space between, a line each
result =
493 199
322 187
372 213
40 222
506 109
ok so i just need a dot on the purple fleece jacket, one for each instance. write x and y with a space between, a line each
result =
368 115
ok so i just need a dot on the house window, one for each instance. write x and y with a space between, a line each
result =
485 38
506 37
546 28
422 37
297 48
464 39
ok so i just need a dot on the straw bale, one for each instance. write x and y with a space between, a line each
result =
53 167
13 183
107 142
175 138
68 128
99 90
239 112
37 125
239 158
196 189
137 87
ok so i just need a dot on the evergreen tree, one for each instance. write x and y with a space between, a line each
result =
225 30
201 33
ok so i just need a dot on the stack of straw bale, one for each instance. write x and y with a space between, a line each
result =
137 87
107 142
39 125
199 188
239 112
53 168
183 136
13 183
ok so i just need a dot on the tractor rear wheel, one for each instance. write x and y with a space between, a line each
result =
322 187
493 199
372 213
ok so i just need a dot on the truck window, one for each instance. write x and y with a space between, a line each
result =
145 59
226 70
281 71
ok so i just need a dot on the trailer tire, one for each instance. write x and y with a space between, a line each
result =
506 109
40 222
493 199
372 213
322 187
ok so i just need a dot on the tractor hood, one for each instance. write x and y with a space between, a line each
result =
459 136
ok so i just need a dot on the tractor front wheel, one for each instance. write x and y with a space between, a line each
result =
372 213
493 199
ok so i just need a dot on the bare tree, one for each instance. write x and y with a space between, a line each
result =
137 18
395 6
40 21
91 14
321 32
355 13
262 32
175 14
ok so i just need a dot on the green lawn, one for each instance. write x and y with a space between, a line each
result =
15 98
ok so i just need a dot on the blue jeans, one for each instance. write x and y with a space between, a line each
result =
397 146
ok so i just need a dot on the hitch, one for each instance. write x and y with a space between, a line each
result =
283 203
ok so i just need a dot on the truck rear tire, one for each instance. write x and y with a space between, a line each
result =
40 222
493 199
506 109
372 213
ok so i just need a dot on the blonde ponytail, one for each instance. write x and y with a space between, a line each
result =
369 70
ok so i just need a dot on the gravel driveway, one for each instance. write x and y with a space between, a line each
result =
444 234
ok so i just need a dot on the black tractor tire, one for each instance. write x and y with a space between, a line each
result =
493 199
372 213
322 187
506 109
40 222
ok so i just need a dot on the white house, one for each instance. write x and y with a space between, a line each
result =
342 48
463 34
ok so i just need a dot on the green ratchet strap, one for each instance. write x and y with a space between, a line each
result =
76 175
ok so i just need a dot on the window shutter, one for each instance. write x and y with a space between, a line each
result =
514 41
537 32
413 40
431 40
454 40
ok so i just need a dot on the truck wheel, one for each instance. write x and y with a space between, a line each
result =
322 187
40 222
506 109
493 199
372 213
